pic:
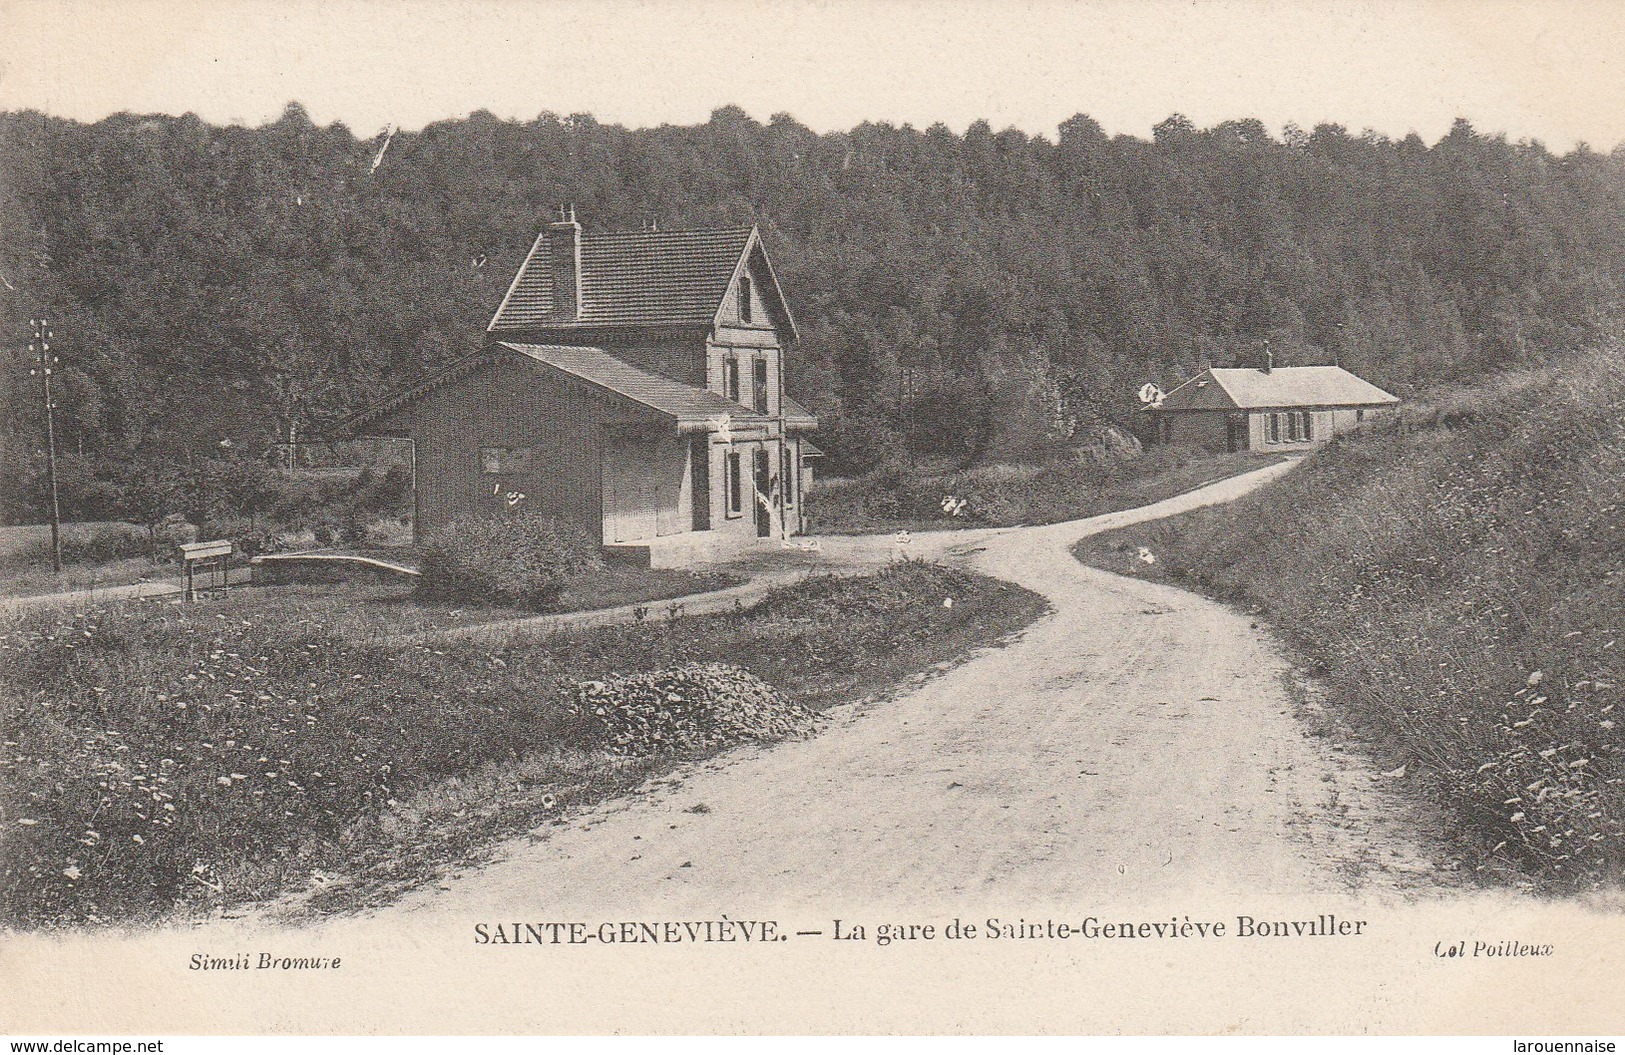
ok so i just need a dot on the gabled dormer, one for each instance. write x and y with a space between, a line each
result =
753 299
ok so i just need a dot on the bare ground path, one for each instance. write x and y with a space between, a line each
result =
1138 742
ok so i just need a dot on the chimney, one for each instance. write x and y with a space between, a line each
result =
1269 359
564 255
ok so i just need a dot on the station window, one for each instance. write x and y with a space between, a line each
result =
759 386
736 484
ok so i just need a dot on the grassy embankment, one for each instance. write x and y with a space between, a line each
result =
1458 576
1063 488
161 758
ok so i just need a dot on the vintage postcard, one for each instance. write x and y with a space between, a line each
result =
855 517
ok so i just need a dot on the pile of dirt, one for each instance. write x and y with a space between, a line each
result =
694 706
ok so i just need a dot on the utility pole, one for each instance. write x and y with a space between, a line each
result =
907 387
46 362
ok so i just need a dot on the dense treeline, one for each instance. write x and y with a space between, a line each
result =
254 284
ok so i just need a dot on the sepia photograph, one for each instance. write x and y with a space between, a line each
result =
807 517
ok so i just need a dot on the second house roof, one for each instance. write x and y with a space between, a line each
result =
1241 388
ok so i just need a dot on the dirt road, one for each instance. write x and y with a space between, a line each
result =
1138 742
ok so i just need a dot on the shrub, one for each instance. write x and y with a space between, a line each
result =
1071 481
88 489
297 498
81 544
252 537
105 545
376 492
524 561
387 531
231 486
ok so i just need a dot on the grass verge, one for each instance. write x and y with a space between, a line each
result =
378 611
1008 495
1458 578
33 580
163 758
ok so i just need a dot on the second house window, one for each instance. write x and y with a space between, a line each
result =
1292 426
759 386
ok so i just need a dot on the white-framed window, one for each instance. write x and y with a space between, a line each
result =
758 384
1290 426
730 376
744 299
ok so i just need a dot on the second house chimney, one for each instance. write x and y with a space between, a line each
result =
564 257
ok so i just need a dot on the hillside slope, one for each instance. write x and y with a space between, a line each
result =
1458 576
1022 279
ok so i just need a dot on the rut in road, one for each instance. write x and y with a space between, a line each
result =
1138 742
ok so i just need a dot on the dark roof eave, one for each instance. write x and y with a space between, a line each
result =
515 332
1233 409
688 423
410 393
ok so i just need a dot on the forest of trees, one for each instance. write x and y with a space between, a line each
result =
229 283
